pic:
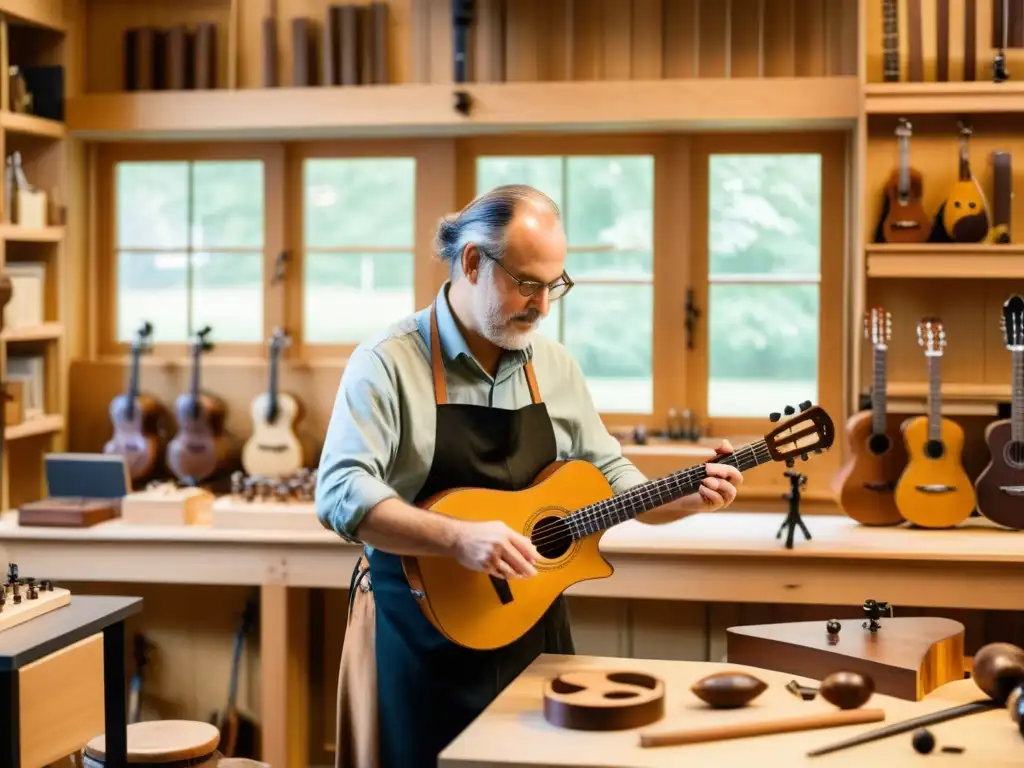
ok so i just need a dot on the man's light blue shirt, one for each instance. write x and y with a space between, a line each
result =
380 440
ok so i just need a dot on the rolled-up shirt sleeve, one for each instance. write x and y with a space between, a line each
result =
360 446
593 442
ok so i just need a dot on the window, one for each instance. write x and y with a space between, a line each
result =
189 249
359 217
606 321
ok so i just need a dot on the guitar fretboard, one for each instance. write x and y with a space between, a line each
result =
1017 403
878 393
934 397
891 41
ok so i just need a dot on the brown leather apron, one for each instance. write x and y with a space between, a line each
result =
355 736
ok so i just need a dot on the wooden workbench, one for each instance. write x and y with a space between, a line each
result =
512 731
721 557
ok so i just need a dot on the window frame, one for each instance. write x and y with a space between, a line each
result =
108 157
669 244
434 198
833 148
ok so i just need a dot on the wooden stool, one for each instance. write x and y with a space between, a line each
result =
177 743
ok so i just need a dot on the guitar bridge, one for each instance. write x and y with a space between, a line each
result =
935 488
503 589
1012 490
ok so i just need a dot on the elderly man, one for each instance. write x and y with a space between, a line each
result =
452 397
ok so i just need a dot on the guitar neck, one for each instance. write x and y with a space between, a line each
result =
904 175
194 385
879 393
965 162
934 397
133 383
272 386
654 493
890 41
1017 403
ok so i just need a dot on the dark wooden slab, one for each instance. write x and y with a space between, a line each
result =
907 658
84 616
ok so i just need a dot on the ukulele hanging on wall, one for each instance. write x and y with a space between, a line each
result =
904 219
964 216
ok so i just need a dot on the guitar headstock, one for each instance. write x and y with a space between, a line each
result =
965 129
279 340
903 128
1011 323
801 433
143 340
878 327
931 336
200 342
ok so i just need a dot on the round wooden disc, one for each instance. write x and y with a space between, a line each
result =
162 741
603 700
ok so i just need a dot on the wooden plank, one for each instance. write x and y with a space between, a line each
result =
521 41
809 30
779 42
713 29
587 41
645 47
555 58
745 25
617 34
680 48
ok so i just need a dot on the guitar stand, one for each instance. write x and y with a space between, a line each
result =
797 481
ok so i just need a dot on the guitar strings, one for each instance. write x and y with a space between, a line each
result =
650 495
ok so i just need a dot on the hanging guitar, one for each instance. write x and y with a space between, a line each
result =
136 417
934 490
904 219
1000 486
273 450
199 449
864 485
964 214
565 513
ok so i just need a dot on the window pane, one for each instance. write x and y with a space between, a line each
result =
615 354
153 287
227 295
763 348
351 296
228 204
543 173
551 326
765 214
360 201
152 205
610 265
611 200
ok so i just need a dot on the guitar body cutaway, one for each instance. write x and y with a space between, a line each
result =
934 492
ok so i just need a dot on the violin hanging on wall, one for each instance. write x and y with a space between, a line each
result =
199 449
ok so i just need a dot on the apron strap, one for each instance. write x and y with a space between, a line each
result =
437 365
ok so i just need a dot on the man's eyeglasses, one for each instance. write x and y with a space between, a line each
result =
556 289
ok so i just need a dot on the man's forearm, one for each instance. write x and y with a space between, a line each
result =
402 529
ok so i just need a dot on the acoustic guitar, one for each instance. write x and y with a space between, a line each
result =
238 731
273 450
864 485
565 513
136 417
965 214
904 219
1000 486
934 490
199 449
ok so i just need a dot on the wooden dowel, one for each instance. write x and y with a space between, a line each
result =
762 728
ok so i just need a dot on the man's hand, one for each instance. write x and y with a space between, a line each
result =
718 489
494 548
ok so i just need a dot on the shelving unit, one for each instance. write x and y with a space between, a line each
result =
962 261
34 34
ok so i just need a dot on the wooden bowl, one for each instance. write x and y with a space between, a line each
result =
728 690
603 700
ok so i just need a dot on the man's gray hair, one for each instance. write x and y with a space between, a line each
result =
484 222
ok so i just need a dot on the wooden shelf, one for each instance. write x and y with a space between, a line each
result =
15 234
30 125
44 332
902 99
428 110
45 13
955 391
43 425
931 260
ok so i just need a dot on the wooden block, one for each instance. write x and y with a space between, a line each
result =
66 513
167 505
234 512
12 614
907 658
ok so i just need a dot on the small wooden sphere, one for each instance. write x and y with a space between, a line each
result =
923 741
728 690
998 670
847 690
833 627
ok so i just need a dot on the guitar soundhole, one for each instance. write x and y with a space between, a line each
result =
1013 454
552 537
878 444
933 449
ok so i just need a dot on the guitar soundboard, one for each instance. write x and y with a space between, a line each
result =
23 598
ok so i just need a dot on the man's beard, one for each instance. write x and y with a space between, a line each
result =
497 327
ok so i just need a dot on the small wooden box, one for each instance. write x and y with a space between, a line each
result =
167 505
66 512
237 513
83 489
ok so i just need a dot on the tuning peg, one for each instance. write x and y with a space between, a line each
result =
805 405
789 410
803 456
818 450
790 463
774 416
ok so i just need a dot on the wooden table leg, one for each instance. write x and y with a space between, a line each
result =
284 665
10 722
115 706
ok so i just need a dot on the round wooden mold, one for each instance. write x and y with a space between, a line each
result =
157 742
603 700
